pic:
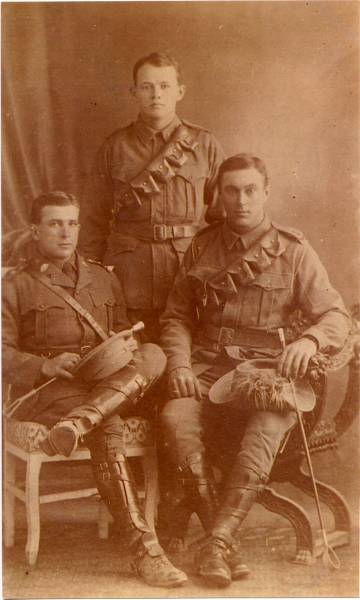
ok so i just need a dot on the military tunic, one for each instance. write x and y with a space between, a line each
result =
37 324
146 240
230 297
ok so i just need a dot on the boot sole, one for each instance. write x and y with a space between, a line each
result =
63 440
241 574
181 580
215 579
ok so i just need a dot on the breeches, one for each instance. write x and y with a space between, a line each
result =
254 437
62 396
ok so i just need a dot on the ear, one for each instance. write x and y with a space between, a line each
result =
133 91
34 232
267 192
181 92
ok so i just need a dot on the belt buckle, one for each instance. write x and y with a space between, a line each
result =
226 336
159 232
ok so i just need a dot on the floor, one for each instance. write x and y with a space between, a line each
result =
74 563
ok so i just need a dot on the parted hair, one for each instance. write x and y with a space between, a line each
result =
157 59
240 162
55 198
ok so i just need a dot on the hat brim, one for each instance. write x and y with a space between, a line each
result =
221 393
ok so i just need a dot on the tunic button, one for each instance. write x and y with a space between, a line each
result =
256 256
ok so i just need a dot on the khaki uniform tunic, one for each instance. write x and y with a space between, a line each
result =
146 243
230 297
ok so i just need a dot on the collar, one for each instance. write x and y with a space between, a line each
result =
57 262
248 238
53 268
146 133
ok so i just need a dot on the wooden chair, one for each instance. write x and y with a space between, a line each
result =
21 443
321 435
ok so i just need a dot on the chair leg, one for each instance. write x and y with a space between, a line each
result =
340 536
9 500
103 521
149 463
32 508
293 512
327 494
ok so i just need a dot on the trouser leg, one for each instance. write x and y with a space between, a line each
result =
252 466
119 393
118 490
181 421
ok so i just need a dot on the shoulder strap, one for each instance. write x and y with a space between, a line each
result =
161 169
74 304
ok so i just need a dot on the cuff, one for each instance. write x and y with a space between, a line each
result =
175 362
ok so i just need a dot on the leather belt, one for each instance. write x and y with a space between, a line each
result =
158 232
225 336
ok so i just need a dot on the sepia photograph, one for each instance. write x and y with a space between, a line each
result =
180 299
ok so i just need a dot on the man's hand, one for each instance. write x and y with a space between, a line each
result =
294 360
60 366
131 342
183 383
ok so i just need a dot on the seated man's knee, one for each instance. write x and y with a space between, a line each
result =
180 410
262 439
153 361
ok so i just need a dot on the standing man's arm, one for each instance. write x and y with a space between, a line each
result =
214 210
96 207
178 325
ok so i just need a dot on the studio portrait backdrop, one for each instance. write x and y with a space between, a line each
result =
276 79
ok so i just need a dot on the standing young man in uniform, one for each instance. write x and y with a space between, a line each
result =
240 282
145 199
56 308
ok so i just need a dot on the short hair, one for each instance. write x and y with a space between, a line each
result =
157 59
51 199
240 162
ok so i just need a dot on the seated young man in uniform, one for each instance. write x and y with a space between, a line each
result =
45 334
239 284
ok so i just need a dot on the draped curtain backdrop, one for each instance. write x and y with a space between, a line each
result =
278 79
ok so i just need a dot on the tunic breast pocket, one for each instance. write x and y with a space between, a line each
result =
266 300
45 321
186 201
103 308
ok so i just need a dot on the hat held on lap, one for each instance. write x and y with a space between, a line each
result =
256 385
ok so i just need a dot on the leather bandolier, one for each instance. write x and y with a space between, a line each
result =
160 170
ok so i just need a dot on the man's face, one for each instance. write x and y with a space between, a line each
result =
157 91
57 233
243 194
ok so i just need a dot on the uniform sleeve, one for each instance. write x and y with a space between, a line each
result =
96 207
321 303
214 211
120 317
179 319
19 367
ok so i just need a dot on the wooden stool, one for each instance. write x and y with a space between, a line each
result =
21 442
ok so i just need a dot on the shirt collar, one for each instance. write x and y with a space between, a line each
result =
41 259
146 133
249 237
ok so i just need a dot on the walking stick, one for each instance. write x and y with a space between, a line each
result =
329 556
